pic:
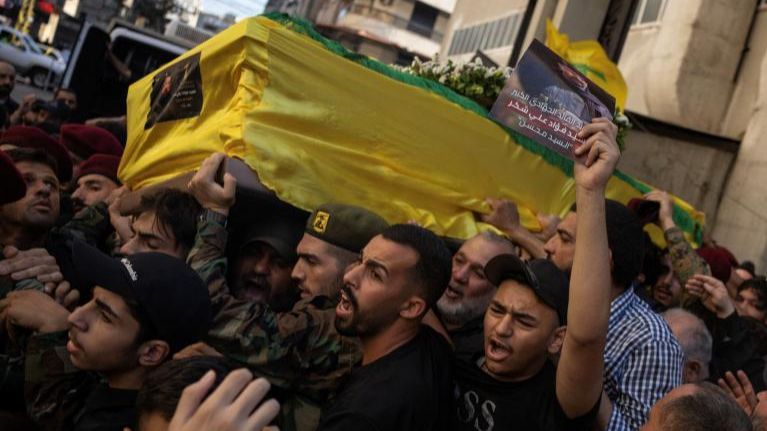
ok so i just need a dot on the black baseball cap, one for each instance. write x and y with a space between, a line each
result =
548 282
171 297
283 234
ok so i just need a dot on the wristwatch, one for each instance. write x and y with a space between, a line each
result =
216 217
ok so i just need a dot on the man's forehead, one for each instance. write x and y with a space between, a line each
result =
312 244
27 167
513 294
389 253
147 222
259 247
111 299
480 250
569 223
92 178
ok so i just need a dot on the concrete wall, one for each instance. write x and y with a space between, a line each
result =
742 224
692 171
744 96
637 51
685 75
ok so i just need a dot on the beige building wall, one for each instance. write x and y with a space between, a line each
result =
742 221
681 71
743 102
696 173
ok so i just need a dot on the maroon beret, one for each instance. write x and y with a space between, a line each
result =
720 260
13 187
101 164
34 138
86 141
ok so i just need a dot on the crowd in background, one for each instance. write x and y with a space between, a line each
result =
189 312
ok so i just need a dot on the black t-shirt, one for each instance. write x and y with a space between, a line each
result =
486 404
107 409
408 389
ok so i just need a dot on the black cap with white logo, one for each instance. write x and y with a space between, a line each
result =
171 297
548 282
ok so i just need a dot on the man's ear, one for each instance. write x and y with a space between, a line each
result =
413 308
153 353
691 371
556 341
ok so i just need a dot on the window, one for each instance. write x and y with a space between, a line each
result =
649 11
422 20
487 35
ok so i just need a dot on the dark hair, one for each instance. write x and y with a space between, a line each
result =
625 238
176 212
163 386
708 409
653 266
749 267
759 286
34 155
60 89
434 259
146 330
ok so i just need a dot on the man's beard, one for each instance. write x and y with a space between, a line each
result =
252 287
463 312
5 92
358 325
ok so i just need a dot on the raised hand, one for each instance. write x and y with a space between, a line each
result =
740 389
233 406
33 263
504 214
596 159
207 191
666 201
712 293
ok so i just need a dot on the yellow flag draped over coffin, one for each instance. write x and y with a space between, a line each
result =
590 58
320 127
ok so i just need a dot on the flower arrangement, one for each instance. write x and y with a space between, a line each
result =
482 84
474 80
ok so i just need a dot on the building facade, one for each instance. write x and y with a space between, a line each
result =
697 80
393 31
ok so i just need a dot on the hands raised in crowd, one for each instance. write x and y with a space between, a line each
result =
597 157
739 387
210 194
712 294
40 311
235 405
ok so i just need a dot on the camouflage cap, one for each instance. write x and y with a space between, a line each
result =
345 226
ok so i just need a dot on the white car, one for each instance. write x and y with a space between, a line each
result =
28 58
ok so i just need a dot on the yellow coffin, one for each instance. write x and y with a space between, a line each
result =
318 123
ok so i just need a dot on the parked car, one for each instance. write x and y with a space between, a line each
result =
29 59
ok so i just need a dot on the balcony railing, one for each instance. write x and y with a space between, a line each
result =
396 21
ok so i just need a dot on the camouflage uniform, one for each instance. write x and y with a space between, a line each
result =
54 388
685 261
299 352
91 225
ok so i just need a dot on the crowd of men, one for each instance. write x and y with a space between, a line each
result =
168 317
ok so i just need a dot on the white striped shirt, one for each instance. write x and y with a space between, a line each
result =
643 361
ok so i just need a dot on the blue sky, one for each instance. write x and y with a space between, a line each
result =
241 8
